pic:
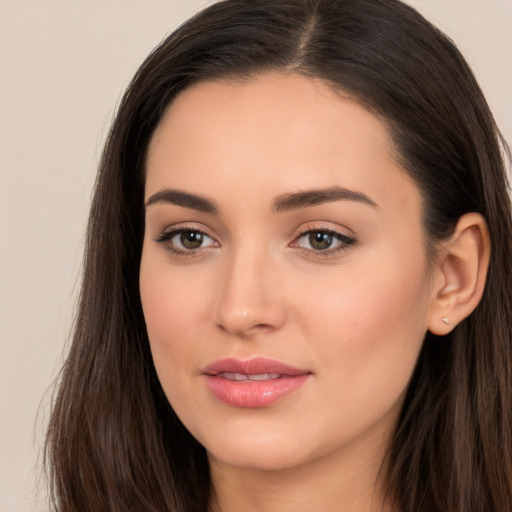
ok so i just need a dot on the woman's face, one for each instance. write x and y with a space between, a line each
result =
284 277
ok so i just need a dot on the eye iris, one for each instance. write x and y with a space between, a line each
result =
191 239
320 241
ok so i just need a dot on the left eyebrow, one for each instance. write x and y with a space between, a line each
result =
310 198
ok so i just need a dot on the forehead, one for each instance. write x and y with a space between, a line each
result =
272 110
272 134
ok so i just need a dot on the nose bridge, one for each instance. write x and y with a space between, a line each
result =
248 299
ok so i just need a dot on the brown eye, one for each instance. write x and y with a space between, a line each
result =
320 240
191 239
186 241
323 241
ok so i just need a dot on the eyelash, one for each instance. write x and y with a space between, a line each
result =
166 237
345 241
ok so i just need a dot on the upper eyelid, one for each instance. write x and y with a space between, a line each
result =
337 234
324 226
186 227
316 228
174 231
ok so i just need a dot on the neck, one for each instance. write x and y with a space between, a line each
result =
351 482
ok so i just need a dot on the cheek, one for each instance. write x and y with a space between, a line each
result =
374 310
369 329
164 302
174 303
380 293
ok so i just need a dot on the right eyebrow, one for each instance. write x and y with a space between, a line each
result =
180 198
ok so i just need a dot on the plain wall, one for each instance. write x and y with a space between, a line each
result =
63 67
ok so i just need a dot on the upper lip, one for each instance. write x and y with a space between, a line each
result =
255 366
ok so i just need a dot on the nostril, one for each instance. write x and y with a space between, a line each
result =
245 307
246 323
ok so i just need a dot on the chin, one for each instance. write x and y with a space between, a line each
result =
254 458
261 451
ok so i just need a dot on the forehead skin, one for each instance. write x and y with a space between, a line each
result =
291 131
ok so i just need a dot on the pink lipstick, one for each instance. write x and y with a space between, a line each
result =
253 383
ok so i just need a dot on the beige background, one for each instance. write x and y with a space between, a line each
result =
63 66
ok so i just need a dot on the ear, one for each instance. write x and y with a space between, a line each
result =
459 274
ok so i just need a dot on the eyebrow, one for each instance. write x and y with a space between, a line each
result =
283 203
310 198
180 198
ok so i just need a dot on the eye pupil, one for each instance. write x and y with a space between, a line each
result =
320 240
191 239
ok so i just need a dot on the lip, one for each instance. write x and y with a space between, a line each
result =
276 380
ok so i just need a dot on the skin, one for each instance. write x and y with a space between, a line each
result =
355 317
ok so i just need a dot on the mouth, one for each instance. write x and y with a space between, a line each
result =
240 377
254 383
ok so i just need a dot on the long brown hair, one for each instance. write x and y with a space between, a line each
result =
114 442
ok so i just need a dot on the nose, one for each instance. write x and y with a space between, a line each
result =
250 298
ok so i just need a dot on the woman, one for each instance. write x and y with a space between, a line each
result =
297 280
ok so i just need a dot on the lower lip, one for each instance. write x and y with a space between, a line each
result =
254 394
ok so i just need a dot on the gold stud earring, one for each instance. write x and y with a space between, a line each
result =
445 320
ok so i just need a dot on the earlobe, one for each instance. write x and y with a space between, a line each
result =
460 274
